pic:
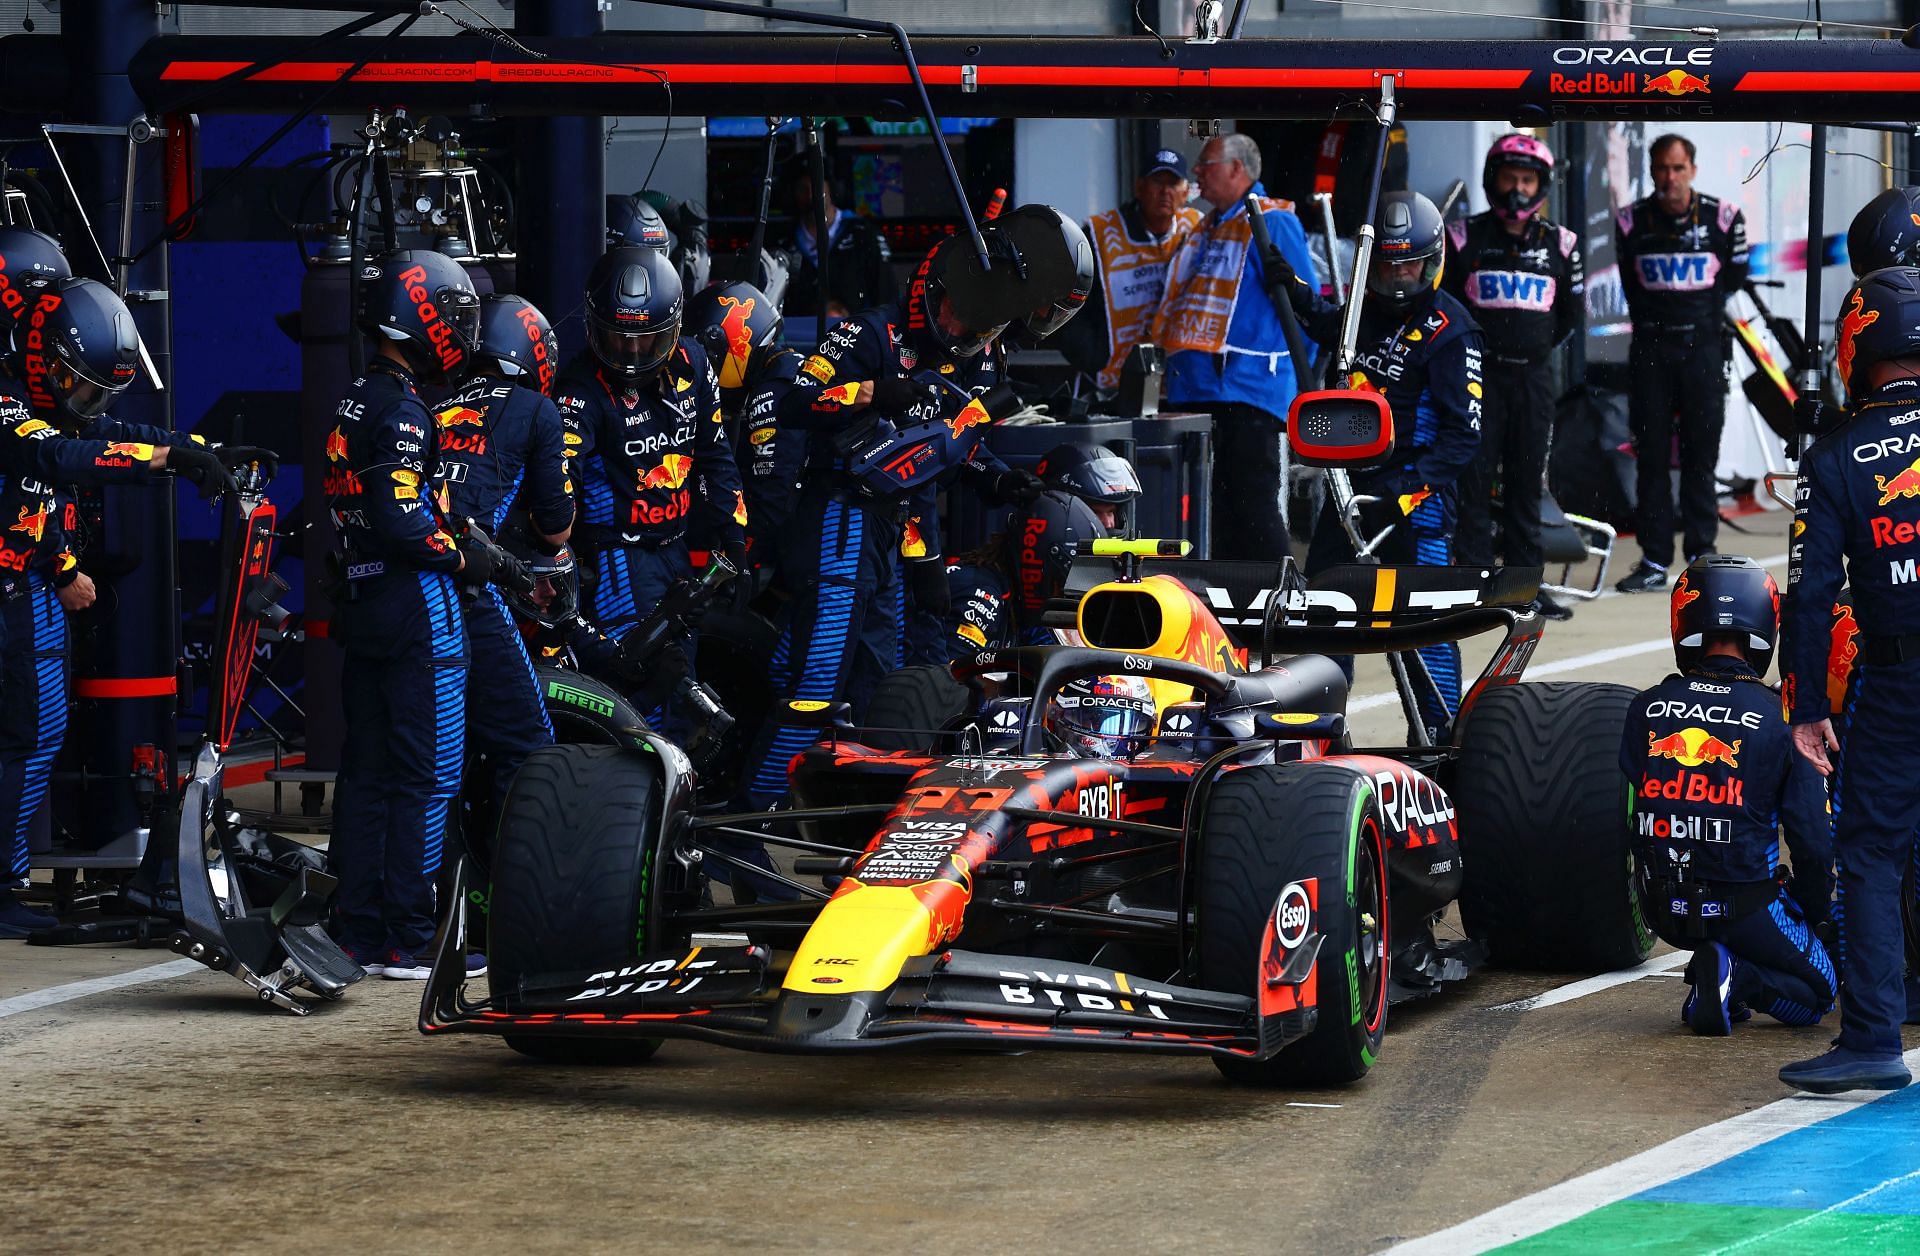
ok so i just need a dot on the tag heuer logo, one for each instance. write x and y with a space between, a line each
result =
908 359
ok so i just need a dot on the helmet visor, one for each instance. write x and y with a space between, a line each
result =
81 397
1044 322
1400 280
635 355
461 308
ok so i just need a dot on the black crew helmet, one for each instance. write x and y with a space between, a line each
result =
82 349
553 597
1042 540
631 220
1879 322
30 263
1409 230
1725 595
928 292
1057 258
739 327
1093 473
634 305
517 341
1886 232
423 303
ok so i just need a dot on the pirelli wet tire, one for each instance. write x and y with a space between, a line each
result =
1330 841
585 711
909 706
576 844
1542 809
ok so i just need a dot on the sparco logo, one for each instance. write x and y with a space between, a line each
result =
1632 54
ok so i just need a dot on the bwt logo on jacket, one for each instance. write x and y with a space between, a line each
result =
1678 272
1513 290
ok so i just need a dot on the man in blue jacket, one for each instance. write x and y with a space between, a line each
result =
1226 349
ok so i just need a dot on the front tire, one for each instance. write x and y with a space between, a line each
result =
911 706
579 835
1548 860
1263 828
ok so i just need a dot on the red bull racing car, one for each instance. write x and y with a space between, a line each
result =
1242 882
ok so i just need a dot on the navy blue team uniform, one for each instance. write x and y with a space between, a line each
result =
1677 273
406 665
1428 367
770 457
500 442
1714 774
848 522
645 455
1860 501
35 458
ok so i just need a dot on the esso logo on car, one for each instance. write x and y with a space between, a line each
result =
1292 915
1649 54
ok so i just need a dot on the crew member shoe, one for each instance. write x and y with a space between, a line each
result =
1843 1069
401 966
17 919
1709 1014
1557 611
370 963
1644 578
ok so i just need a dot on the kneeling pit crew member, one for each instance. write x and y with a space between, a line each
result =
1714 776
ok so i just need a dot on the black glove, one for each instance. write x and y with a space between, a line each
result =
927 582
487 563
199 464
1001 402
1018 487
740 588
661 675
1279 271
1395 504
236 456
895 394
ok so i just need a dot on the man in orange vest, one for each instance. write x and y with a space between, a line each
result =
1132 244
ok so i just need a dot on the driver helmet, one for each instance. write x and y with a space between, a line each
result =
1103 717
633 312
555 594
1410 231
1725 595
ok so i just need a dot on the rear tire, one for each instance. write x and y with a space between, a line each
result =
911 705
1544 843
1247 857
578 836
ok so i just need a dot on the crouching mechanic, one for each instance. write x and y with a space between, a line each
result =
500 440
1420 348
76 352
1859 501
1714 776
644 423
403 685
891 405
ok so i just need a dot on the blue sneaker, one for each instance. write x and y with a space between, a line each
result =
401 966
17 919
1843 1069
1709 1013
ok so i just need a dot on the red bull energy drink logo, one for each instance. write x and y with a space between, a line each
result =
1855 320
739 337
670 474
1676 83
33 523
336 446
1693 747
1903 484
460 416
126 449
974 415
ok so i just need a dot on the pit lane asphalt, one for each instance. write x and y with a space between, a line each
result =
183 1116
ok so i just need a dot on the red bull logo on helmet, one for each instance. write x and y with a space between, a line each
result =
1856 320
1693 747
439 332
739 337
543 364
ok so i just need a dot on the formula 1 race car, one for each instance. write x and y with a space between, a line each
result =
1243 883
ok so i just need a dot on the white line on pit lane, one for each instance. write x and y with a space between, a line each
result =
1591 659
1689 1153
1658 966
37 999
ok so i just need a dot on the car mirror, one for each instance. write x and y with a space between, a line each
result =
1340 428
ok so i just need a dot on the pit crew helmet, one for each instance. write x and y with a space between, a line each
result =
1104 717
89 349
1527 153
423 303
739 327
1725 594
517 341
1410 230
554 596
631 220
30 262
1043 539
1073 262
1094 474
1879 322
928 292
686 223
1886 232
633 312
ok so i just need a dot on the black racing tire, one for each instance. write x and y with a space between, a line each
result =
1544 841
1247 857
578 837
585 711
911 705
